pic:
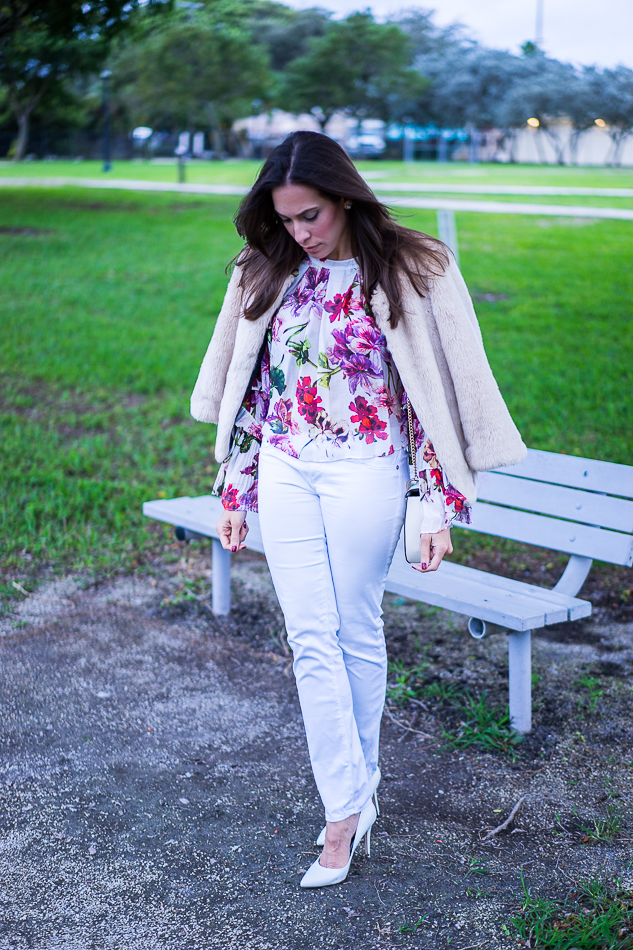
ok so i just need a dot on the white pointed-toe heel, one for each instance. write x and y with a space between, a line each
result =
318 876
373 785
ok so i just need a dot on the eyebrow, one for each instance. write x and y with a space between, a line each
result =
305 211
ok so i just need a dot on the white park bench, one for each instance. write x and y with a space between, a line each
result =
578 506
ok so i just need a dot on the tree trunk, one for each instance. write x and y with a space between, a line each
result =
619 145
23 136
539 147
22 113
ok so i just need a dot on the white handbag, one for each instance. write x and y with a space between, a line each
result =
413 509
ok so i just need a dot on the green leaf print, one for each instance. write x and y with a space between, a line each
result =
300 351
277 379
327 371
246 442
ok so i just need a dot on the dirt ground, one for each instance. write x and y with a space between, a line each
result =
156 790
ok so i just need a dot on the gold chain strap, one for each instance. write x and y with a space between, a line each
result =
412 447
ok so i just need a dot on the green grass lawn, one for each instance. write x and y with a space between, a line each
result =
108 309
243 172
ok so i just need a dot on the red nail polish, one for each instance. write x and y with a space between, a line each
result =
234 549
424 567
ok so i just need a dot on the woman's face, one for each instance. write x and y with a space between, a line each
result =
318 225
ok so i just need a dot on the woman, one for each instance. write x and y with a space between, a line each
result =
336 320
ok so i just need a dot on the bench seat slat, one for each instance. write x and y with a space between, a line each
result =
582 506
465 590
575 472
199 514
597 543
459 588
575 607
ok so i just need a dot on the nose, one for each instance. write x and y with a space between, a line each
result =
302 235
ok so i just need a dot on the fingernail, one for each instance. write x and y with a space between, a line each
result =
234 549
424 567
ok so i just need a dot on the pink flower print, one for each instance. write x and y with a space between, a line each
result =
385 399
436 475
307 399
340 306
370 426
428 454
230 500
459 502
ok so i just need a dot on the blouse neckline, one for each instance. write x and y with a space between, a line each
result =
317 262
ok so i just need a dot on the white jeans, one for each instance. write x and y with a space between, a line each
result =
329 531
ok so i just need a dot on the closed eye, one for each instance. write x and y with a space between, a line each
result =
306 215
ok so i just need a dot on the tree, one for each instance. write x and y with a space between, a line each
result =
44 43
358 66
194 68
547 95
582 106
613 92
284 32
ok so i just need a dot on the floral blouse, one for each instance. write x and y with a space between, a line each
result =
328 389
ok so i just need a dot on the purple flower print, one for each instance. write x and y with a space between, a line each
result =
252 468
280 419
358 368
365 339
283 442
311 289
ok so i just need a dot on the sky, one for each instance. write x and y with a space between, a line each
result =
577 31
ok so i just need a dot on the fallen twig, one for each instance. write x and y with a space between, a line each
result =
507 822
401 725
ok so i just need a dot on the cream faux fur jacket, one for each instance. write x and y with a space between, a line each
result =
438 351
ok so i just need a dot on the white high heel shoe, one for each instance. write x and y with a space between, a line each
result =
318 876
373 785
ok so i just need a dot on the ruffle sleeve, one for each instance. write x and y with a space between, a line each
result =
442 505
237 478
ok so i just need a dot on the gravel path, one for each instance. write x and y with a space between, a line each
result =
156 791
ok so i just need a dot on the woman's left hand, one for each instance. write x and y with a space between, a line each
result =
433 547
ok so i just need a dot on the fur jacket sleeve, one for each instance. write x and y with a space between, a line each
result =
439 354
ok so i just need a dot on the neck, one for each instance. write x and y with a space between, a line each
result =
343 250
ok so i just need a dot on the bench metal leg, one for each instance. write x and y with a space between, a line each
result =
220 579
520 668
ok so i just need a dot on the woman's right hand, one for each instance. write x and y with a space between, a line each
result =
232 529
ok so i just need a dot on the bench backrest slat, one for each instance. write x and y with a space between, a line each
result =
598 543
586 507
575 472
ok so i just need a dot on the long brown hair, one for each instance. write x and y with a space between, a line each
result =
383 248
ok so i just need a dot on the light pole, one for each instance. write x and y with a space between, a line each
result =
105 90
538 39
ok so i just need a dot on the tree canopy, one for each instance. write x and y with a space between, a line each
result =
192 68
358 66
177 64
